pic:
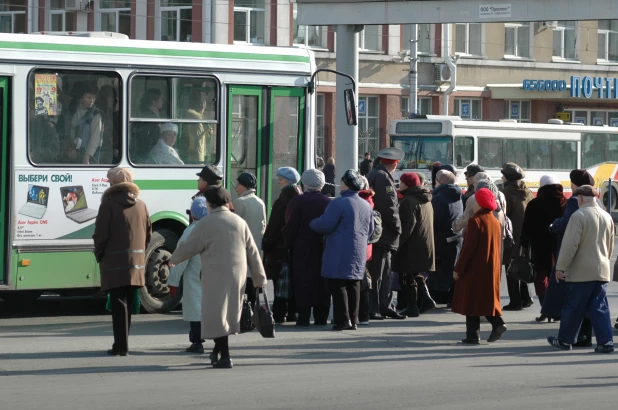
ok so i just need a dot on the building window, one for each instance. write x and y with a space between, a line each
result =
13 16
176 20
468 38
319 125
517 40
468 109
116 16
517 110
370 39
608 40
423 106
306 35
368 122
249 21
425 38
565 40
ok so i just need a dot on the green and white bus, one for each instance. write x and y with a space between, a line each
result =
238 108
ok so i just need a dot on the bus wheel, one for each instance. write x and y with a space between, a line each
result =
614 199
155 296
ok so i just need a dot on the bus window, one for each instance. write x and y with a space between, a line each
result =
516 151
490 152
539 154
73 117
173 121
564 155
464 151
596 147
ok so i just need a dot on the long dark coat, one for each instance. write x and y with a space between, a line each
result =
517 197
273 243
306 249
416 252
329 177
121 234
386 203
447 207
477 291
540 213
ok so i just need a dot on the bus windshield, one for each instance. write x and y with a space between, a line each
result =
422 152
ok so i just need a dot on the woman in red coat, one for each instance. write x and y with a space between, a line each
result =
477 273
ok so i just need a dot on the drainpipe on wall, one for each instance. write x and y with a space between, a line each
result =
412 108
451 65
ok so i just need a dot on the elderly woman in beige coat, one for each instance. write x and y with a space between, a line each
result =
227 249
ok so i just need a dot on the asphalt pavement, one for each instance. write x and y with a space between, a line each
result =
52 356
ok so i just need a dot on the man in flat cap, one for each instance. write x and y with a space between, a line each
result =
208 176
471 171
382 182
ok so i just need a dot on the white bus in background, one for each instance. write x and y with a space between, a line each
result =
540 149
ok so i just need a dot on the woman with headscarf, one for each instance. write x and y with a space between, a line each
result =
273 241
227 248
471 205
191 272
447 207
306 248
478 272
347 224
164 152
540 213
329 175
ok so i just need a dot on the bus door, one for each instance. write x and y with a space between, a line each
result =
5 185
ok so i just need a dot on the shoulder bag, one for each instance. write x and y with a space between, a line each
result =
262 315
521 267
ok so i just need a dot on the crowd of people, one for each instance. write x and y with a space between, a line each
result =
431 247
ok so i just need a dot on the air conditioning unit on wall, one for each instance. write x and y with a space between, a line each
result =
442 73
549 24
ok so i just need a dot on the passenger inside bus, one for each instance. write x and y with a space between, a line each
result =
106 103
164 152
146 134
197 138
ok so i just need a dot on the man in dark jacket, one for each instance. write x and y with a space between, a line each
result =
471 171
382 182
416 244
366 165
208 176
517 196
121 235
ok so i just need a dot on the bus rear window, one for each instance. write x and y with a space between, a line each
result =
73 117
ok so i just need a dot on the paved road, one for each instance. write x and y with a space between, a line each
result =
53 358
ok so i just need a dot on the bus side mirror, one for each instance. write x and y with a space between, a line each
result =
459 161
350 106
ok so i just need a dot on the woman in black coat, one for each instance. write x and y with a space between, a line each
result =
447 207
540 213
273 243
329 174
306 248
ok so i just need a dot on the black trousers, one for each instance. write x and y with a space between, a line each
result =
518 291
381 293
122 303
195 333
473 325
363 306
346 297
250 291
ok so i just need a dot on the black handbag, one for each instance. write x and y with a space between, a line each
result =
262 315
246 318
521 267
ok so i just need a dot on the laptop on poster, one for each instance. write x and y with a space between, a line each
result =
75 205
36 202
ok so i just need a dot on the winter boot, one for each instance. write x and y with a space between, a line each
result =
412 309
427 302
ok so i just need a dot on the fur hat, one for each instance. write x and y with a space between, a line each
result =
289 174
485 199
313 179
581 177
410 179
119 175
352 180
512 171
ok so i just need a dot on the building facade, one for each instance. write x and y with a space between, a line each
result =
499 66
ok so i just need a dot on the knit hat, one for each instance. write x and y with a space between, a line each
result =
548 180
352 180
119 175
168 126
473 169
481 176
485 199
313 179
488 185
512 171
289 174
581 177
198 208
247 179
410 179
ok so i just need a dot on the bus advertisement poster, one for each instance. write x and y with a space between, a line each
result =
45 94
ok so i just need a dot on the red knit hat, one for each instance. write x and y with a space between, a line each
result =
485 199
410 179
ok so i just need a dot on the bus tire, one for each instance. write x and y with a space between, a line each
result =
155 296
614 199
